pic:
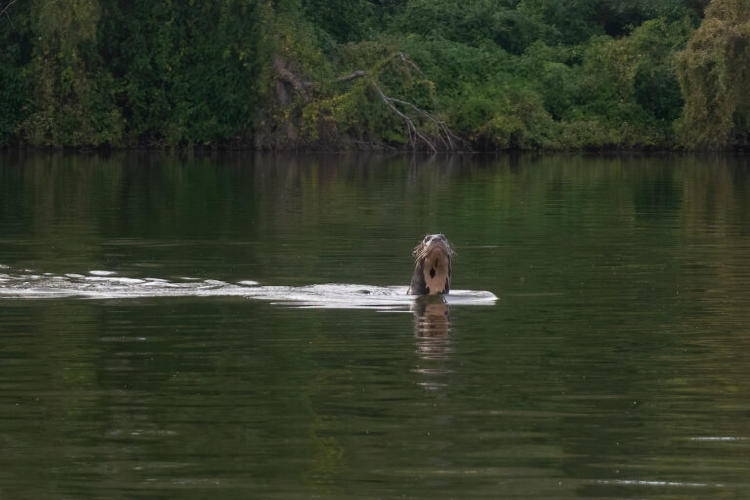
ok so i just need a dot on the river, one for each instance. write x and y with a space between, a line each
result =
235 325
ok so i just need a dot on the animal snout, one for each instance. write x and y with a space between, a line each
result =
432 238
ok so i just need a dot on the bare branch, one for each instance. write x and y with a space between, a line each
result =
414 133
5 9
449 136
351 76
421 125
408 61
290 78
448 139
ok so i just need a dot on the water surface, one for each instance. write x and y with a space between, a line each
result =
182 327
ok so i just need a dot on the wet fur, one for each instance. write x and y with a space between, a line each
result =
432 268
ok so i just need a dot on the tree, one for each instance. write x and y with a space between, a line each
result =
14 81
714 74
72 103
188 72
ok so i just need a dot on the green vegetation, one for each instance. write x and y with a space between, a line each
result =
376 74
714 73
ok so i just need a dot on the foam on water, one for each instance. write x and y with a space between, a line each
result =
100 284
102 273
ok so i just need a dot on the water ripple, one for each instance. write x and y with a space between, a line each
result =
100 284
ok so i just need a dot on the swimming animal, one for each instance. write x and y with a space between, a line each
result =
432 267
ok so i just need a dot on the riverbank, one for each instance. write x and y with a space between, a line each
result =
410 75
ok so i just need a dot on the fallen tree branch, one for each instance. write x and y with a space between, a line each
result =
410 126
408 61
449 138
351 76
290 78
421 125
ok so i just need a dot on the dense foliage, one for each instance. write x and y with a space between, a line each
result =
714 71
364 74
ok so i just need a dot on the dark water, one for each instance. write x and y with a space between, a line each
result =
615 363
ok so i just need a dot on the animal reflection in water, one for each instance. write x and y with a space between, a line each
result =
432 331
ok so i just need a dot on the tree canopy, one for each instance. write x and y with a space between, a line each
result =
714 73
376 74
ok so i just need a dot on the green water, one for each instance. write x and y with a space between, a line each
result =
613 365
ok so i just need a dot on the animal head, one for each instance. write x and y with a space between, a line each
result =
432 271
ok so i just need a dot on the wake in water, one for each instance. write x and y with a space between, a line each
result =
107 285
